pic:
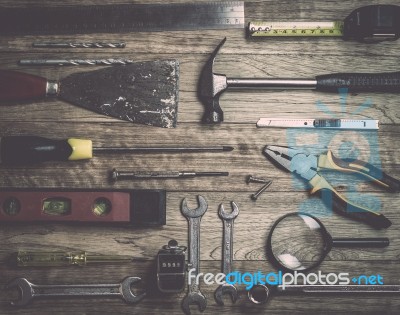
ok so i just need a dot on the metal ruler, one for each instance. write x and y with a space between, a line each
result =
295 29
122 18
359 124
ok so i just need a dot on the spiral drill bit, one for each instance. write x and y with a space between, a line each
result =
75 62
78 45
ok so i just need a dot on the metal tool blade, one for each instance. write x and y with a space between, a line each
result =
294 160
143 92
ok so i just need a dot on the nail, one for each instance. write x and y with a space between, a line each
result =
260 191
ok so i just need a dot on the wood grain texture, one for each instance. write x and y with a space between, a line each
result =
240 57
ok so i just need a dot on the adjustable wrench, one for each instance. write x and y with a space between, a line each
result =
29 291
194 295
227 252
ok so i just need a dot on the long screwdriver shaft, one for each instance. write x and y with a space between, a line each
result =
78 258
160 149
20 150
121 175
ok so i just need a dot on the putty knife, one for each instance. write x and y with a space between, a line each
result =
143 92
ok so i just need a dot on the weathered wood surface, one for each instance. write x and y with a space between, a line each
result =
240 57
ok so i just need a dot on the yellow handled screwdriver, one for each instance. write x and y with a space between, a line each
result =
53 259
20 150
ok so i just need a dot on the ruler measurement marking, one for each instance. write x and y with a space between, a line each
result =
271 29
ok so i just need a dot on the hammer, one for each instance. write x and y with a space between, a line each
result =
212 85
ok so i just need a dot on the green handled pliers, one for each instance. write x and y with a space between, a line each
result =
307 166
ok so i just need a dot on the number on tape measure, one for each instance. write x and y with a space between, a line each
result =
295 29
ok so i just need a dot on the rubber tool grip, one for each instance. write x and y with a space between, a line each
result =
19 86
378 242
360 82
20 150
339 204
370 171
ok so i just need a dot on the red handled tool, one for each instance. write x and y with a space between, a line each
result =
136 207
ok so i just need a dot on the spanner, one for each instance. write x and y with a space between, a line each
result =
260 293
227 252
29 291
194 295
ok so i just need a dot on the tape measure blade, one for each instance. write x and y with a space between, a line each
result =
295 29
122 18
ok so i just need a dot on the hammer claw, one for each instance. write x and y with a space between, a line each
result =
211 85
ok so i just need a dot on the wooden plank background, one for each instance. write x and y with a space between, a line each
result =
240 57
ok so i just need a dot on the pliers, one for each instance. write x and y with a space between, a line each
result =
307 166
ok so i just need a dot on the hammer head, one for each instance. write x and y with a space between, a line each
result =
211 85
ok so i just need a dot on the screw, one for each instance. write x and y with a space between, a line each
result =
114 175
260 191
251 179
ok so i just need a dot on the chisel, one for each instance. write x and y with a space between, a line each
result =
20 150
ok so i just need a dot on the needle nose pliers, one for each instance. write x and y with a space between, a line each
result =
307 166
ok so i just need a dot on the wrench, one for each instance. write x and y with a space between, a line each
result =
227 252
260 293
29 291
194 295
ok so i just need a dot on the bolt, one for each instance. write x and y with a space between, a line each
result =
260 191
251 179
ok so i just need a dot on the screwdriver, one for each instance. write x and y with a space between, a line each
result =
118 175
20 150
52 259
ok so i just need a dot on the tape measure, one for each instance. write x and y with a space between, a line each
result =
373 23
122 18
263 29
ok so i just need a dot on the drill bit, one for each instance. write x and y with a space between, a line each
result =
78 45
75 62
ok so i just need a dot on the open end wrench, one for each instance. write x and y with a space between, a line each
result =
194 295
227 253
29 291
260 294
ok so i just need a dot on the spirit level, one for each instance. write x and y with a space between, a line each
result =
137 207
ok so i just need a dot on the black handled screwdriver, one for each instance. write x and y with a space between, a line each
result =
20 150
